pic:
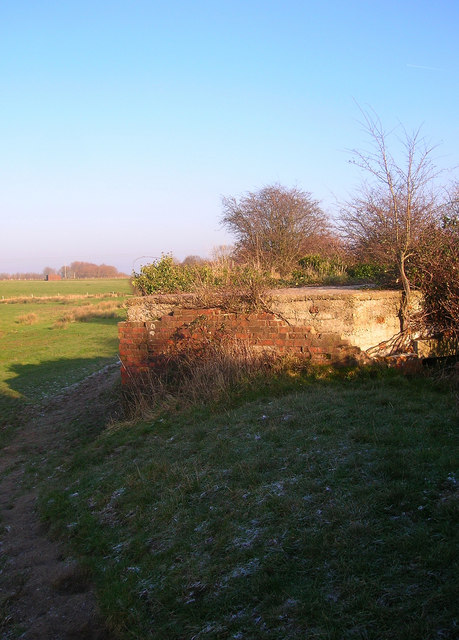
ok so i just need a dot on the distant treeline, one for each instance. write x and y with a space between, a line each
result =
75 270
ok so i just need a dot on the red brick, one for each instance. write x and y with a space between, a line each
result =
295 342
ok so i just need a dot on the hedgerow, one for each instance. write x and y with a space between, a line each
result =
167 276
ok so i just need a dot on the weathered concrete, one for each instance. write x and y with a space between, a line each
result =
362 317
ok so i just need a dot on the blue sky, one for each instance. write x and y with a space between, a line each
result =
123 123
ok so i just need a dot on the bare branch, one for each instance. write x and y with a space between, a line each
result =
388 219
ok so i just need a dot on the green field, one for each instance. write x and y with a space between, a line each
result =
39 356
41 288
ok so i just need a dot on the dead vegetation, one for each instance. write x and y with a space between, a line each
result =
89 312
27 318
205 370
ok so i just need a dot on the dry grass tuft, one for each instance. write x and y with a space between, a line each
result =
89 312
202 371
209 368
27 318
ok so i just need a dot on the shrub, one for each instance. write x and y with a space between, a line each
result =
371 272
27 318
166 276
437 275
244 289
239 288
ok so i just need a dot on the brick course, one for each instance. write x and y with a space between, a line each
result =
143 344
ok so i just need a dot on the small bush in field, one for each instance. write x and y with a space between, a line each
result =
89 312
27 318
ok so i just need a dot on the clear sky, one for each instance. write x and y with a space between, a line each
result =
124 122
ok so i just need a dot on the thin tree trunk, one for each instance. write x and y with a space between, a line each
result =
405 310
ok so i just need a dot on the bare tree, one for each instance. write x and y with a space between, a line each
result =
272 226
394 210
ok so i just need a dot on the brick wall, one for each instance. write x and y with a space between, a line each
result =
144 344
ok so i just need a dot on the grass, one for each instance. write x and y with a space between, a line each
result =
328 512
36 358
41 288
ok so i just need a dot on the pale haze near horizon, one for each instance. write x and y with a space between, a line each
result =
124 123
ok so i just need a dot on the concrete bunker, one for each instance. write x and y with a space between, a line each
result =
325 325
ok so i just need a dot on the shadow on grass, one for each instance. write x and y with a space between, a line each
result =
31 383
101 320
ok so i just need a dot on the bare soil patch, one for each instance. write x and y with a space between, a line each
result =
44 593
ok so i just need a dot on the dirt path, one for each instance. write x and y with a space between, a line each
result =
44 594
